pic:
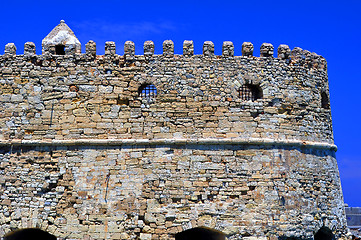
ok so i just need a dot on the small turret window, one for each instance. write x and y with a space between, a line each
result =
148 91
249 92
60 50
325 102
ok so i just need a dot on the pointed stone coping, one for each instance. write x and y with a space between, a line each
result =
61 35
174 141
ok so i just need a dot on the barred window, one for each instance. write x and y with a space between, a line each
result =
249 92
148 91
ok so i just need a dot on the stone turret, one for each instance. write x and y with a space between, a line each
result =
61 41
166 146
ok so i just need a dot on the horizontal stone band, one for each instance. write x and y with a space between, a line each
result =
174 141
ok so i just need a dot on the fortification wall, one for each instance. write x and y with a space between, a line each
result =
85 155
75 96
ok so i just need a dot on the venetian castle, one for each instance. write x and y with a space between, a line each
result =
178 147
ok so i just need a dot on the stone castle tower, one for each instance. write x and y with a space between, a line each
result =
166 146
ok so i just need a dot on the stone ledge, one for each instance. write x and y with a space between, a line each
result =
174 141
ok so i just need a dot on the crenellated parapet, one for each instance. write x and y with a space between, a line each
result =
292 85
297 56
61 41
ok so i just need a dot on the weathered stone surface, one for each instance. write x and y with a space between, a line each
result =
188 48
266 50
148 48
168 48
10 49
208 48
247 49
283 52
228 49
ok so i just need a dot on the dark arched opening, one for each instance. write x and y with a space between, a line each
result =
250 92
200 233
60 50
324 234
325 102
29 234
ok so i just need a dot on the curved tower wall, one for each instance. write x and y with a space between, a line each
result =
86 155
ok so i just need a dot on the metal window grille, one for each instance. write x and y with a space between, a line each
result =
246 93
148 91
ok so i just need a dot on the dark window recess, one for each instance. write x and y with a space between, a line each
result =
324 234
29 234
325 103
108 71
249 92
200 233
148 91
60 50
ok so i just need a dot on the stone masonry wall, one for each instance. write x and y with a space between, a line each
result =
85 156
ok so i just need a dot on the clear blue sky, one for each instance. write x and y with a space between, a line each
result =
329 28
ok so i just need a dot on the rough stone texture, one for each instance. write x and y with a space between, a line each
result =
283 51
29 48
208 48
129 50
266 50
91 48
188 48
148 48
228 49
110 48
84 156
10 49
247 49
168 48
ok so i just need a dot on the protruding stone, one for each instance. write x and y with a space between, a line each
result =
247 49
62 39
316 60
129 50
10 49
91 48
283 51
168 48
267 50
296 54
110 48
188 48
148 48
323 63
227 49
29 48
208 48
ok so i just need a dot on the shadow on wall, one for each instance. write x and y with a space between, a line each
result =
29 234
324 233
200 233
